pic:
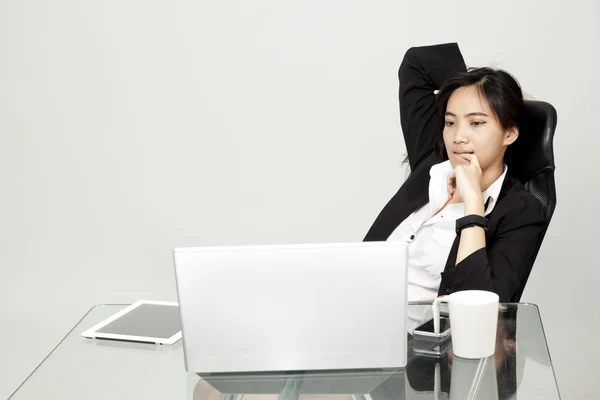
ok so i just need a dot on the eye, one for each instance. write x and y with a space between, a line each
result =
449 123
478 123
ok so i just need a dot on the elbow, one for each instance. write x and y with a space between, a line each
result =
407 61
410 53
488 285
503 293
476 273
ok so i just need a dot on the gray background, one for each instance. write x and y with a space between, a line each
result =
130 127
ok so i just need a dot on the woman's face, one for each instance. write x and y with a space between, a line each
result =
471 127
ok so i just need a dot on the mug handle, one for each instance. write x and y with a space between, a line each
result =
436 312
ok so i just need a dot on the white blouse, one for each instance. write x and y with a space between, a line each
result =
430 236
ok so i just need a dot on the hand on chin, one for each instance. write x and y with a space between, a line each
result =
465 179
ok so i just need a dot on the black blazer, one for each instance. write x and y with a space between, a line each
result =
517 220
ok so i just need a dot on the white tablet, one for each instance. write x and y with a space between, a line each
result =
143 321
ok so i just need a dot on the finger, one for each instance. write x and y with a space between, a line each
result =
451 183
527 96
472 159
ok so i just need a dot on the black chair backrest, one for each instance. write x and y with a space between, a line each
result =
531 161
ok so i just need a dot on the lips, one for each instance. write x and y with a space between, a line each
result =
460 154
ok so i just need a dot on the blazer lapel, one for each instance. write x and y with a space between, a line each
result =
411 196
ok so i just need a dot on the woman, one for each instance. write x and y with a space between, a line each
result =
468 223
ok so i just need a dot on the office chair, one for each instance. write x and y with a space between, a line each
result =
531 160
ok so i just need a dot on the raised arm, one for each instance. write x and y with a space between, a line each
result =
424 70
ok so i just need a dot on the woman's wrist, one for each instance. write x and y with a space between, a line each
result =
474 205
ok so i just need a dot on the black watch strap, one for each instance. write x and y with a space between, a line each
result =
471 220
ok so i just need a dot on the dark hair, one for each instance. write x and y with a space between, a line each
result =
498 87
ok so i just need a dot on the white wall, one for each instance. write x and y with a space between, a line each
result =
130 127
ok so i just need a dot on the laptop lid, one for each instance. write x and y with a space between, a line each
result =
293 307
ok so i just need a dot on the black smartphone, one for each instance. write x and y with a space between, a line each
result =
425 331
430 349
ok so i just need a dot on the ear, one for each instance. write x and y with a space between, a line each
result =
510 135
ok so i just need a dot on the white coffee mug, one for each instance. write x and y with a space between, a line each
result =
473 322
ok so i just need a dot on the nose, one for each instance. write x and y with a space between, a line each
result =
461 136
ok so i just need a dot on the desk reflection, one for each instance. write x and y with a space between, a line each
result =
445 377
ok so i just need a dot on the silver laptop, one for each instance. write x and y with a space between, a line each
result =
306 307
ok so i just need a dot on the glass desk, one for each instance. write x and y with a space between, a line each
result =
86 369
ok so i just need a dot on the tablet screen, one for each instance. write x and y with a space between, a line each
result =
147 320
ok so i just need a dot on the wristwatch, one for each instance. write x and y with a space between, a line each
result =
471 220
